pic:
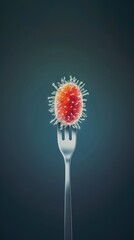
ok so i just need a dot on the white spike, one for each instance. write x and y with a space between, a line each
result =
52 97
62 81
58 83
53 120
86 94
82 119
51 110
83 92
53 84
80 84
84 115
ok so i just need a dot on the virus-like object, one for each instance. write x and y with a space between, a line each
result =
67 103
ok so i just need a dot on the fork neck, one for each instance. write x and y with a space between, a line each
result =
67 170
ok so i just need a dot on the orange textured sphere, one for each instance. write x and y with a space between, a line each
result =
68 103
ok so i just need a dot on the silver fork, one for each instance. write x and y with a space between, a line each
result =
67 143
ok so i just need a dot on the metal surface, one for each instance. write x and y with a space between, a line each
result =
67 142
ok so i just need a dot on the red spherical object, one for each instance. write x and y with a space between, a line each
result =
68 103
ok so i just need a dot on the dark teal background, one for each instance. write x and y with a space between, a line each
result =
42 42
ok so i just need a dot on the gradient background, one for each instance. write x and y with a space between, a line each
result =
43 41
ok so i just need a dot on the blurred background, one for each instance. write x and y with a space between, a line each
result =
42 41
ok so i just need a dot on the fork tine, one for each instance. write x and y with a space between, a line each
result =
59 132
66 132
74 132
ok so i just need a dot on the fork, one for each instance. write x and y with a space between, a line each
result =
66 138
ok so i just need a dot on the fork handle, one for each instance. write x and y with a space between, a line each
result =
67 203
